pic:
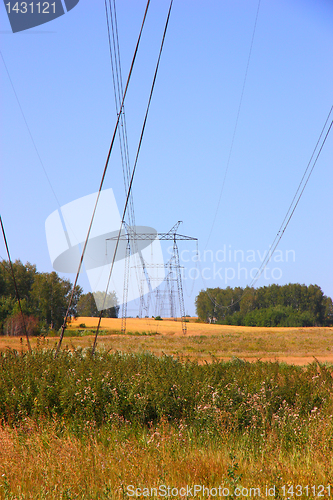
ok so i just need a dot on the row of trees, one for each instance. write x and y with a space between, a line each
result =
274 305
44 300
87 305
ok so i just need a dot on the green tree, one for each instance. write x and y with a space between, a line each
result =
205 306
86 305
274 305
328 305
217 304
24 277
50 296
6 308
248 302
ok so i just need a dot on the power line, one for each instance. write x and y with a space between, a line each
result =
235 127
15 285
292 207
122 132
29 131
102 180
118 92
307 168
290 211
34 144
133 172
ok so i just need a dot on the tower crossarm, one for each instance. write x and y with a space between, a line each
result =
168 236
153 236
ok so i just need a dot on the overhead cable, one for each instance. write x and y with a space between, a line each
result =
102 180
15 285
290 212
133 172
293 205
122 133
235 127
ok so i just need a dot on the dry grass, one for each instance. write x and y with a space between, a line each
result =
203 342
50 460
40 463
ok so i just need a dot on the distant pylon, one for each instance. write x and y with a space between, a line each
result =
173 271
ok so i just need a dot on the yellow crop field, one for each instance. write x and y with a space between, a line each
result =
202 342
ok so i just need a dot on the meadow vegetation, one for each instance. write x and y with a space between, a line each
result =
85 427
217 407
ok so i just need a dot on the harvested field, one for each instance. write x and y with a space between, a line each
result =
203 342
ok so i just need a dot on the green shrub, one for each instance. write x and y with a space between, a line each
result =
145 389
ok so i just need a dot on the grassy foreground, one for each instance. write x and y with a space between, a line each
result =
47 462
80 428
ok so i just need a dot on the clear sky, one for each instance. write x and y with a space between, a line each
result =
62 77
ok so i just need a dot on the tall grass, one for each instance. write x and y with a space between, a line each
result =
144 389
50 462
77 427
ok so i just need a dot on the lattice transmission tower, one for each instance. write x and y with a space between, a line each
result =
173 274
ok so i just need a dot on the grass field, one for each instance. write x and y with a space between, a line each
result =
42 463
86 429
203 342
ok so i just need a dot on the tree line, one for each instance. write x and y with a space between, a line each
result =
44 300
273 305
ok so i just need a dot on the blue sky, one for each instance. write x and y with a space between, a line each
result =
62 77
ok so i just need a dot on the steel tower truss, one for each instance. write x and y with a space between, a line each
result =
173 270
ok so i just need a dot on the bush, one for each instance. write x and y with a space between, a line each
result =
144 389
